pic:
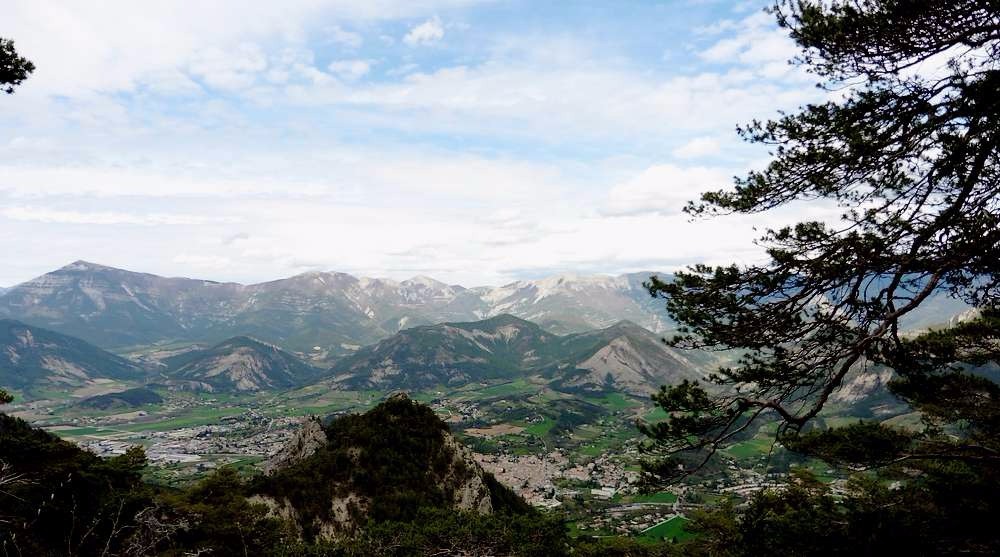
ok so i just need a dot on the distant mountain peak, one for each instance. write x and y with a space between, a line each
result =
81 265
627 325
425 281
505 319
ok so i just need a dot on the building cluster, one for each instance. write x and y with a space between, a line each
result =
540 479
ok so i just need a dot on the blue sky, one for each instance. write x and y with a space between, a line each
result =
473 141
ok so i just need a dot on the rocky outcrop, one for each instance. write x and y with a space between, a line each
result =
302 445
381 465
858 385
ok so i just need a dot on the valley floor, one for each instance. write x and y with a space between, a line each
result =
575 454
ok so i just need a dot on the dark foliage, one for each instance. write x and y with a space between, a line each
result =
14 68
439 532
910 157
219 519
911 160
56 499
126 398
80 504
393 457
930 515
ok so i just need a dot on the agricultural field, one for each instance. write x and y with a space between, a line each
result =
672 529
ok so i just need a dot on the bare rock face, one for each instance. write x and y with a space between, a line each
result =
857 385
466 476
302 445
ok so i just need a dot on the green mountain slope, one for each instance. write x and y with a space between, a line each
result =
32 357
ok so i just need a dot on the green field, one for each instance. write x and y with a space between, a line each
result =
505 389
200 416
668 530
753 448
83 431
614 401
542 428
655 415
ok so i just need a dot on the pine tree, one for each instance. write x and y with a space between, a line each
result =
14 68
910 157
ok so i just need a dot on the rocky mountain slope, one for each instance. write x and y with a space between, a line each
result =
621 357
32 357
385 464
237 364
322 315
624 357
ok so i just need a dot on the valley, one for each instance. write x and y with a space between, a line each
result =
549 406
576 454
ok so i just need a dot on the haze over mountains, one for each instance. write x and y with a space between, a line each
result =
324 315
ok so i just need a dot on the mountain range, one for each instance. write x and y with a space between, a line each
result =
323 315
623 357
576 332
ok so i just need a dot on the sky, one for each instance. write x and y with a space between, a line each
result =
477 142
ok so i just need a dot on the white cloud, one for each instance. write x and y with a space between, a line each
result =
234 69
200 261
46 215
24 182
115 45
698 147
428 32
664 189
341 36
544 101
754 41
533 152
350 69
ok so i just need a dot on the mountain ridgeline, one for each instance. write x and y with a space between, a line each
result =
322 315
622 357
576 333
